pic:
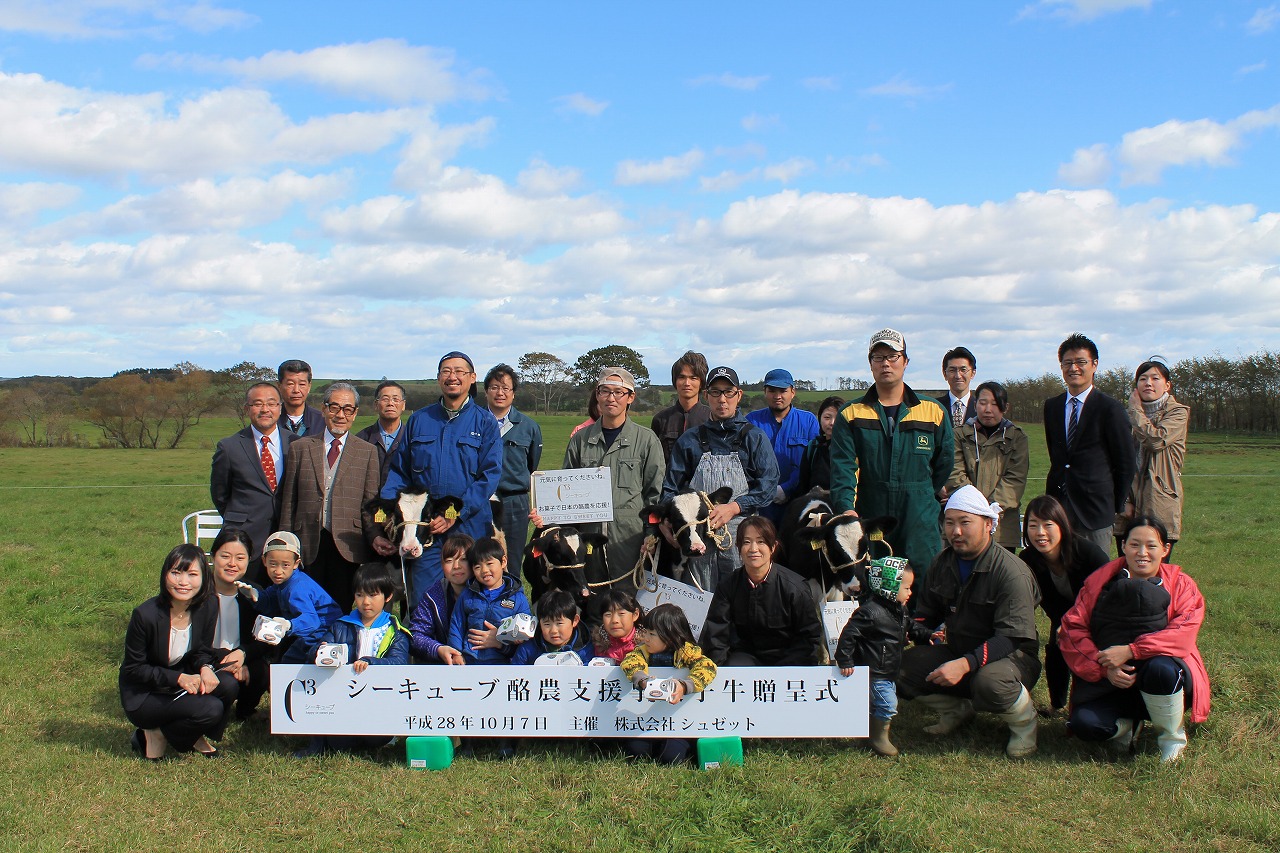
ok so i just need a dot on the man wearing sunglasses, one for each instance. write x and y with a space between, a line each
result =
891 454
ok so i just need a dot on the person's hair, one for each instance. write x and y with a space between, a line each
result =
485 548
184 555
1047 508
458 543
998 392
960 352
270 385
387 383
503 370
761 525
376 577
341 386
593 406
832 402
1078 341
231 534
1147 365
1146 521
293 365
619 599
556 603
669 624
695 361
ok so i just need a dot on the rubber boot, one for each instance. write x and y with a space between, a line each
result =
1122 740
953 712
879 739
1166 714
1022 726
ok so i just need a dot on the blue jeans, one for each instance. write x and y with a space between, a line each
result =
1096 719
884 699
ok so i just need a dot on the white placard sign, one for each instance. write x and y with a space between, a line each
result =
573 495
535 701
694 602
834 615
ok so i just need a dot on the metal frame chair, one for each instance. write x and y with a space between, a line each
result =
204 525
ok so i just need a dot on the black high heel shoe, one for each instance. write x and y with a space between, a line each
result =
139 745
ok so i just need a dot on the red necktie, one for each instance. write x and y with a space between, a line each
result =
268 464
334 450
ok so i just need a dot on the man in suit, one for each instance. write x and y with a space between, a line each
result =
328 478
247 468
958 369
384 434
521 439
295 386
1091 456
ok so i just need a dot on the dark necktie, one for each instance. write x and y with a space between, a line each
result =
334 450
1074 422
957 414
268 464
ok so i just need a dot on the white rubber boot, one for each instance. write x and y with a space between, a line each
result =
1122 740
1022 726
953 712
1166 714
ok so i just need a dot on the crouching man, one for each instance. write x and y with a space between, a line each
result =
988 658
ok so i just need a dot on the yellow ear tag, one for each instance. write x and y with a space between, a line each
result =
451 514
380 516
875 536
815 544
588 547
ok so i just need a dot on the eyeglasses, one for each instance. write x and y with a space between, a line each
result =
891 358
957 371
610 393
334 409
500 389
446 372
388 399
727 393
1081 363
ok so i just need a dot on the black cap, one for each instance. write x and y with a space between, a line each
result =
723 373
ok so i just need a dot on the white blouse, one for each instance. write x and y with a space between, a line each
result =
227 634
179 644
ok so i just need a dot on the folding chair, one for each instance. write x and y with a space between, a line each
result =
198 527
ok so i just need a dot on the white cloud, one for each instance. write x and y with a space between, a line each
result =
756 123
1252 69
730 81
86 19
20 202
788 171
821 84
1080 11
385 69
1263 21
543 179
674 168
580 103
431 147
1147 152
1090 167
55 128
726 180
900 87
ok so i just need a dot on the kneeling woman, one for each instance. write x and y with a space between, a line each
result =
1130 639
762 614
168 685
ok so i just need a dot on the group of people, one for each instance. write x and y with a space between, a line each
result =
952 468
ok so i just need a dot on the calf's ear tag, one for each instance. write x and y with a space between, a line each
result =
876 536
537 553
588 548
380 516
815 544
451 514
653 518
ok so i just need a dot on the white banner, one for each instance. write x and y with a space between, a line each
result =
573 495
834 615
562 701
692 601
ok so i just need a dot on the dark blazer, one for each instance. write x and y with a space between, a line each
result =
312 421
373 435
145 669
1092 480
970 411
239 488
354 485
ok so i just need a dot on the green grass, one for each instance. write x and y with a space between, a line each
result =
74 561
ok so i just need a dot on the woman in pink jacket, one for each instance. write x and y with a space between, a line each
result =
1130 639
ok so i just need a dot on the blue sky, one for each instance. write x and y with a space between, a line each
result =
368 186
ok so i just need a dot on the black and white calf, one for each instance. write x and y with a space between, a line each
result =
842 547
404 515
556 558
687 514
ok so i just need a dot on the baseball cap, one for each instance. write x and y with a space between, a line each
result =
889 337
778 378
723 373
618 376
283 540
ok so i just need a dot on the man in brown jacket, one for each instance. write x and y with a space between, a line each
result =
328 478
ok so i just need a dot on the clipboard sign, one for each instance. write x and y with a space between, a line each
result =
573 495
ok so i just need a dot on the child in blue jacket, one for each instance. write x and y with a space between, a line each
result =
293 595
558 630
492 596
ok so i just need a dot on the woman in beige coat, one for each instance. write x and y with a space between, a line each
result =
992 456
1160 442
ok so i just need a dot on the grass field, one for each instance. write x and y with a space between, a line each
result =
82 537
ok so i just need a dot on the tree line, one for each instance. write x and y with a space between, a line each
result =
155 408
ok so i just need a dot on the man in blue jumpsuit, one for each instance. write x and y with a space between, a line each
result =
451 447
789 431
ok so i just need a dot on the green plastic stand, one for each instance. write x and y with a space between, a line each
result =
428 753
716 752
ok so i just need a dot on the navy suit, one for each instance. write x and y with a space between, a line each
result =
970 411
1092 478
239 489
312 422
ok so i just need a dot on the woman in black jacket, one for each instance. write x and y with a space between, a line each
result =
1060 562
169 687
